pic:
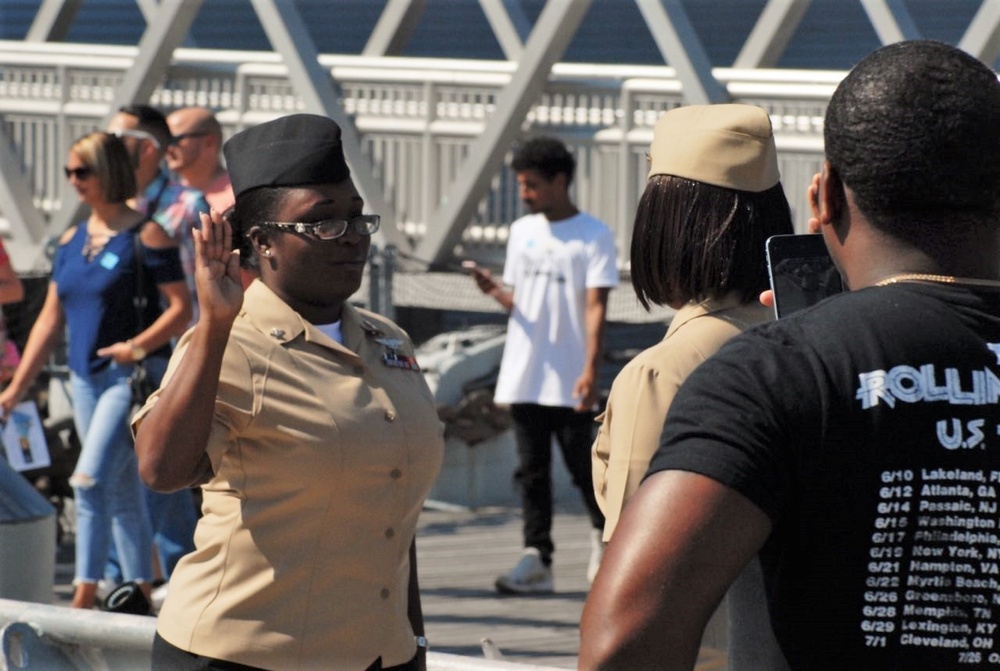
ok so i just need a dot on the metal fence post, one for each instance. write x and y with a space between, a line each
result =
388 307
374 279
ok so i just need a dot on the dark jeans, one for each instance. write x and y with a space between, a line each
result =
167 657
534 426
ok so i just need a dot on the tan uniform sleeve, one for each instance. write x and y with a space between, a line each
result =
628 436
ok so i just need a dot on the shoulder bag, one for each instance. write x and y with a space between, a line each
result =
142 385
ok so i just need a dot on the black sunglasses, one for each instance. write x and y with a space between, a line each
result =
176 139
81 173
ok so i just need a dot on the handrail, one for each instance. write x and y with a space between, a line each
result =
110 636
417 118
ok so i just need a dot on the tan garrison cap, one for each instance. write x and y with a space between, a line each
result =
725 145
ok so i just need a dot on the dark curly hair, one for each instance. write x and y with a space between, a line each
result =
914 132
693 241
547 155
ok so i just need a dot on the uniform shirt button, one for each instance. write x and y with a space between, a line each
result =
385 592
390 416
390 532
396 474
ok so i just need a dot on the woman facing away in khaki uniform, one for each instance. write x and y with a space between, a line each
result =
306 420
698 246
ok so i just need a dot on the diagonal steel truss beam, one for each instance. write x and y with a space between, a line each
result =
26 223
510 25
982 38
394 28
680 47
771 34
551 35
288 35
892 20
52 20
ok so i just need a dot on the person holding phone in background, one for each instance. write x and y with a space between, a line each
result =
712 199
561 263
848 443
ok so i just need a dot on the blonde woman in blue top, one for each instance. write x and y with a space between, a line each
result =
91 295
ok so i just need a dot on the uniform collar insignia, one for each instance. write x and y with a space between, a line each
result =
370 329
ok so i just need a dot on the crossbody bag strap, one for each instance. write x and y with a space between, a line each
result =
139 299
154 204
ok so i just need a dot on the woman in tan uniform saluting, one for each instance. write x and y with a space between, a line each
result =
307 422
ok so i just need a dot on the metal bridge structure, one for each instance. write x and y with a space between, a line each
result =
427 138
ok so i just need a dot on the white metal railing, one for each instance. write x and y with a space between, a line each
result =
44 637
417 116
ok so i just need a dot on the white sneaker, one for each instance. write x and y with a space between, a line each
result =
529 576
596 553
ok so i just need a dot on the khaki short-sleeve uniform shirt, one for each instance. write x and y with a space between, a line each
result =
642 392
322 456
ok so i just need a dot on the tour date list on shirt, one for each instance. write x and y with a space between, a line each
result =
933 572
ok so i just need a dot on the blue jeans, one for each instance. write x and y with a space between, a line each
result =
110 507
172 517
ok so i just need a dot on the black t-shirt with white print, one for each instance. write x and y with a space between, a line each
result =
868 429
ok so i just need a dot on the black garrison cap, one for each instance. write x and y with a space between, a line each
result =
295 150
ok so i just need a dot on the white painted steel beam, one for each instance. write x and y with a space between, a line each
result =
982 38
27 225
771 34
556 26
288 35
892 20
510 25
680 47
394 28
52 20
148 9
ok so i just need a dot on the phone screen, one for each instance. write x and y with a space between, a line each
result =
801 270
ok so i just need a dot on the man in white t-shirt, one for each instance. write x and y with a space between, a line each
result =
560 266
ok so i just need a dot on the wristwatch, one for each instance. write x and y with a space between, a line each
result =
422 643
138 353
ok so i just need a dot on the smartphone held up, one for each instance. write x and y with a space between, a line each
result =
801 271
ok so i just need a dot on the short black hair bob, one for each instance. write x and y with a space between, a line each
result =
693 241
547 155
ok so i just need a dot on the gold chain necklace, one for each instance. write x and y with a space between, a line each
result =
941 279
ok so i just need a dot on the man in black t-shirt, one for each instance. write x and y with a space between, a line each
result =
856 444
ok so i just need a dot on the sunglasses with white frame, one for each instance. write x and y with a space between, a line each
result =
137 134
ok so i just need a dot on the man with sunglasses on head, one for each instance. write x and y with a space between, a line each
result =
194 155
176 208
163 198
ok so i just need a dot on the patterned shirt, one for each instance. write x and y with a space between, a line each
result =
175 207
